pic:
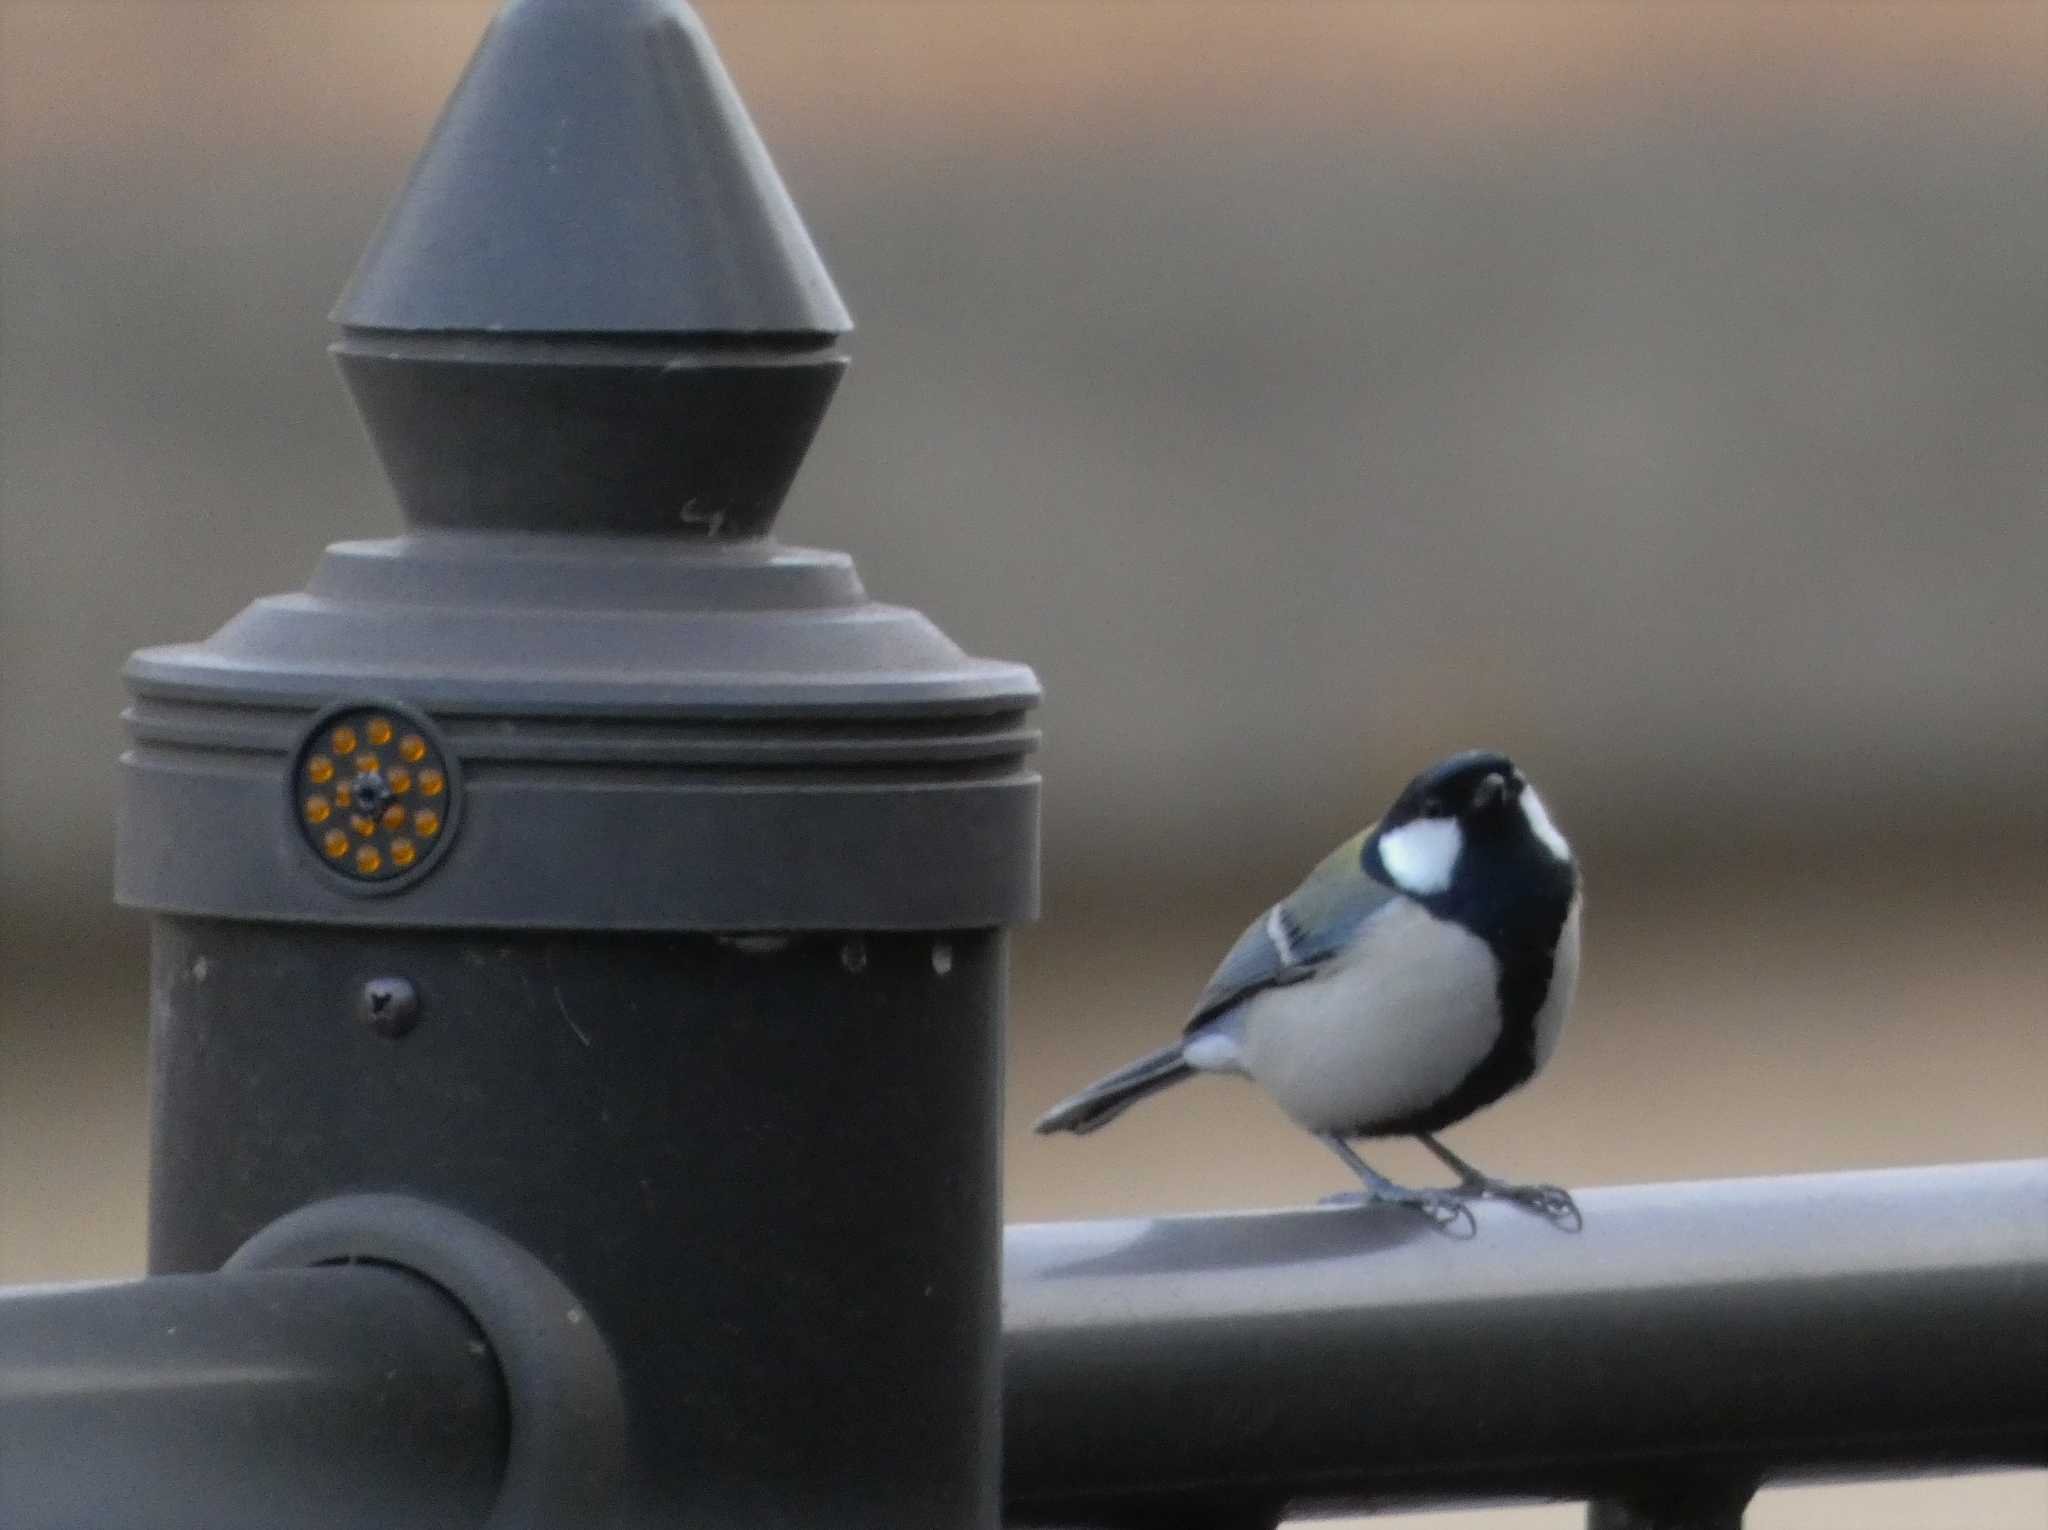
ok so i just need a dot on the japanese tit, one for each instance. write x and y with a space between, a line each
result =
1422 971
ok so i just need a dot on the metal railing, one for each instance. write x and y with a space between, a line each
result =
1693 1342
342 1398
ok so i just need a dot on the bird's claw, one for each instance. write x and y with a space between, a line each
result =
1554 1203
1445 1210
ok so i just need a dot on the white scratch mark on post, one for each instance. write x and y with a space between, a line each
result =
562 1005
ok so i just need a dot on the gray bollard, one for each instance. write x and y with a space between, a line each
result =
587 863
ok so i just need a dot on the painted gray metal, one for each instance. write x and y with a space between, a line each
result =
591 345
1677 1503
767 1171
351 1399
1695 1340
657 735
594 173
566 1458
706 970
1163 1372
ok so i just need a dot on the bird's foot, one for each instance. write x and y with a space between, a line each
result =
1553 1203
1445 1209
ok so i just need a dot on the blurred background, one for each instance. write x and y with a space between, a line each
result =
1659 393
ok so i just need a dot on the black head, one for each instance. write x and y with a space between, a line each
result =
1473 808
1475 788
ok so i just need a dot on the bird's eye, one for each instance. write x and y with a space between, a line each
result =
1432 807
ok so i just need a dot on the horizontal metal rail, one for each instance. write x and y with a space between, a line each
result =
1222 1371
1207 1372
344 1397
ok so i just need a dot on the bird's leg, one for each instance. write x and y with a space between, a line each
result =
1552 1201
1443 1207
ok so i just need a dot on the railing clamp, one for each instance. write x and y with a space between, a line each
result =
566 1456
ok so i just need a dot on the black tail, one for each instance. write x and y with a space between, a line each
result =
1106 1099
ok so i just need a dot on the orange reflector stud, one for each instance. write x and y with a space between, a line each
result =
361 781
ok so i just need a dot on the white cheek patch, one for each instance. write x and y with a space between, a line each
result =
1541 826
1421 855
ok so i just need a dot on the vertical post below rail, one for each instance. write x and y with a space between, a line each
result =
1712 1504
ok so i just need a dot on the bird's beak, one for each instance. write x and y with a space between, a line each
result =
1492 787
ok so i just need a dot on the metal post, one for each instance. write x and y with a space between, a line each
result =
345 1398
1700 1505
585 861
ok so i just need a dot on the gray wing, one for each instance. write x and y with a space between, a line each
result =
1298 936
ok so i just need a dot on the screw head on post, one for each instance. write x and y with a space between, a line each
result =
390 1006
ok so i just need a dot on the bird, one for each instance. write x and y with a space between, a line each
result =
1422 971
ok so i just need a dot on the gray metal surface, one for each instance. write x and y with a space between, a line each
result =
588 626
351 1399
1224 1371
594 173
767 1170
594 306
656 735
591 347
565 1459
1160 1372
1678 1504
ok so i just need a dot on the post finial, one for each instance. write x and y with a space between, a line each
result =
594 306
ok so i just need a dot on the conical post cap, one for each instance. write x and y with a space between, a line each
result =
593 308
595 174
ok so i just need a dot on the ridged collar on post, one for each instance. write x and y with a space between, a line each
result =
592 343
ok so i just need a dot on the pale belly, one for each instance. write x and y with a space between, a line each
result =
1384 1033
